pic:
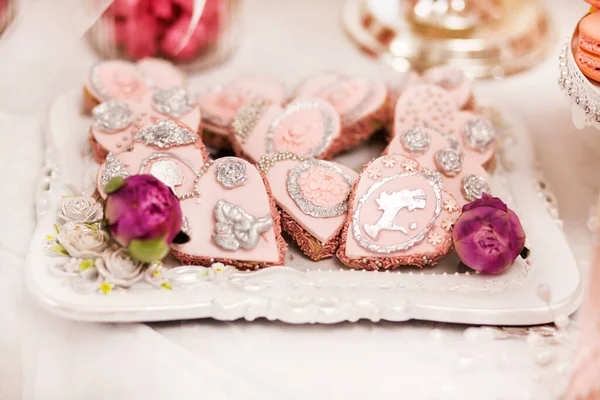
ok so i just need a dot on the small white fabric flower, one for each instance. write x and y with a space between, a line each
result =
118 267
79 209
83 241
220 270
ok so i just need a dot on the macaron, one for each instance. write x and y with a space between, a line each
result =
587 55
594 3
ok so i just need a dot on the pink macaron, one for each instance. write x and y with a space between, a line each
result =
587 55
594 3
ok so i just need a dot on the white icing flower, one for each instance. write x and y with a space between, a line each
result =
219 270
374 173
434 239
83 241
450 205
119 268
410 165
79 209
388 161
448 224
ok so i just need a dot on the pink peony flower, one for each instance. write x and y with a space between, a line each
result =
143 215
488 236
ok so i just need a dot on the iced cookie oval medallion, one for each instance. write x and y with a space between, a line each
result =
397 212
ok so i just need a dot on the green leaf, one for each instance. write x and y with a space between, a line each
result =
113 185
86 264
149 250
93 227
181 238
56 228
59 250
167 286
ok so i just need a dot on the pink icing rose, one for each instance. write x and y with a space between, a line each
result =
323 187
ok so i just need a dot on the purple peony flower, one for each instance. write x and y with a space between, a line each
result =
488 236
143 215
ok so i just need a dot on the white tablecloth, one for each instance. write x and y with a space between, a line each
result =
44 357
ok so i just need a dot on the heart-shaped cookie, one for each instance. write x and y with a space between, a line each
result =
309 127
313 198
429 106
234 220
122 80
219 104
459 168
115 122
454 81
398 216
166 149
361 103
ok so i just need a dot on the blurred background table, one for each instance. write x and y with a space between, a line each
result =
43 357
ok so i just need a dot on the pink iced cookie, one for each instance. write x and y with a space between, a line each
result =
168 150
219 104
309 127
313 197
457 167
117 121
361 103
429 106
234 220
398 216
122 80
454 81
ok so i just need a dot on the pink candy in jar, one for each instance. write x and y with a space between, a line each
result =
150 28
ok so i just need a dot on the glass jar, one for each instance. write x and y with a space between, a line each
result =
191 33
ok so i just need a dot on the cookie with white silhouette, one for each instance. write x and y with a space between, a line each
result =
398 216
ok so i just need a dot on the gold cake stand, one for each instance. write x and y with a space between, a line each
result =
485 38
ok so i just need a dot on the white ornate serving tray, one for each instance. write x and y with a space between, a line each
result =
583 93
304 291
